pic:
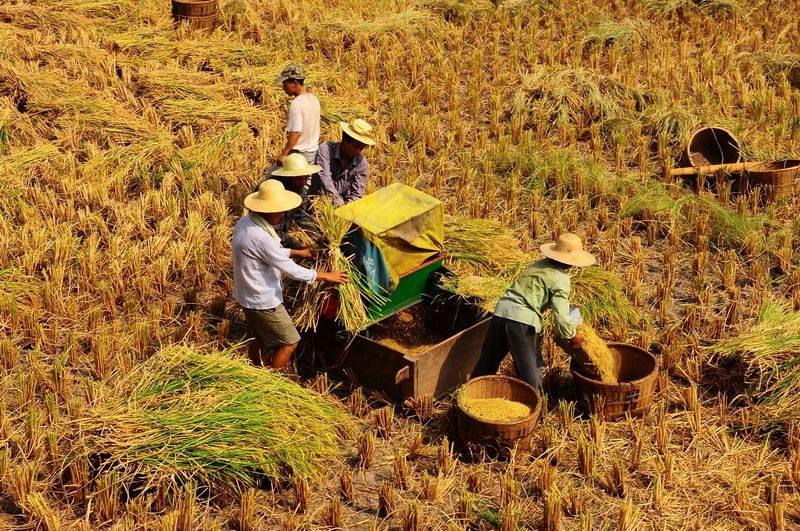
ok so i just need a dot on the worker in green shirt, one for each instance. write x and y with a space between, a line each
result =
517 322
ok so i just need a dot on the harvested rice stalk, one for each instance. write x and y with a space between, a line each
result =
485 291
767 353
481 247
601 296
598 353
352 298
209 418
475 280
495 409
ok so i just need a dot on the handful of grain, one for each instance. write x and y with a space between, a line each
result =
598 353
495 409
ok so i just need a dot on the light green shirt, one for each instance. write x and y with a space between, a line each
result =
545 284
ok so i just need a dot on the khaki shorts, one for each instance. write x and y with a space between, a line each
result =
273 327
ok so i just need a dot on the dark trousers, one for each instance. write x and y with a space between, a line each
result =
521 340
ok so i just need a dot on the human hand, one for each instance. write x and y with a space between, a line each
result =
334 277
304 252
280 159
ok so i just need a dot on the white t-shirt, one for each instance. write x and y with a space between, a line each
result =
304 117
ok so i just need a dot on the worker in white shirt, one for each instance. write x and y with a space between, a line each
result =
302 125
259 260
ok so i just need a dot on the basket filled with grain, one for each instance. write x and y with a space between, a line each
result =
635 372
496 411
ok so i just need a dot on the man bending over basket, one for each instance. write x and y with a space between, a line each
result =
517 322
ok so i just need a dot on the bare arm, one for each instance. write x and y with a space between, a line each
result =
302 252
291 140
334 277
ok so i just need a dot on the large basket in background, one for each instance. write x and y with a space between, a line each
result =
199 14
637 372
712 145
472 430
777 178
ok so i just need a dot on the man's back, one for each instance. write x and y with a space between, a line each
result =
304 117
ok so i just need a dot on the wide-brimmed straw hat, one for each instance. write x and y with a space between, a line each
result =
272 197
296 165
359 130
568 250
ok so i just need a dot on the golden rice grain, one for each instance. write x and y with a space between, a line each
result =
495 409
598 352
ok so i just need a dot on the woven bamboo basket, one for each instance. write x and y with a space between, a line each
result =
472 430
637 372
712 145
777 178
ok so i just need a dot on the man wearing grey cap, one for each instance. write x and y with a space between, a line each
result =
302 124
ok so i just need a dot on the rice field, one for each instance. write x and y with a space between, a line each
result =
127 146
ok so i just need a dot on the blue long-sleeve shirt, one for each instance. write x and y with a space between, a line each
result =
342 184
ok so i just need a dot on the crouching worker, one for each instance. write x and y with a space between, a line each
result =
517 322
294 174
259 260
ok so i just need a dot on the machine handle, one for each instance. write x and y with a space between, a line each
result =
402 374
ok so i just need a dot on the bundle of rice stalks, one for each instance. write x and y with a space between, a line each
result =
767 354
775 63
459 11
353 298
208 418
483 291
485 258
670 121
481 246
573 95
683 7
390 23
601 297
598 353
626 33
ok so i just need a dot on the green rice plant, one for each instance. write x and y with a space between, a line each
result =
209 418
671 209
562 169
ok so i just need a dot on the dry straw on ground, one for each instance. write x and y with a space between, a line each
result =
127 146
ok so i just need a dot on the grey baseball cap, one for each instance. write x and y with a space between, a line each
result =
291 71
